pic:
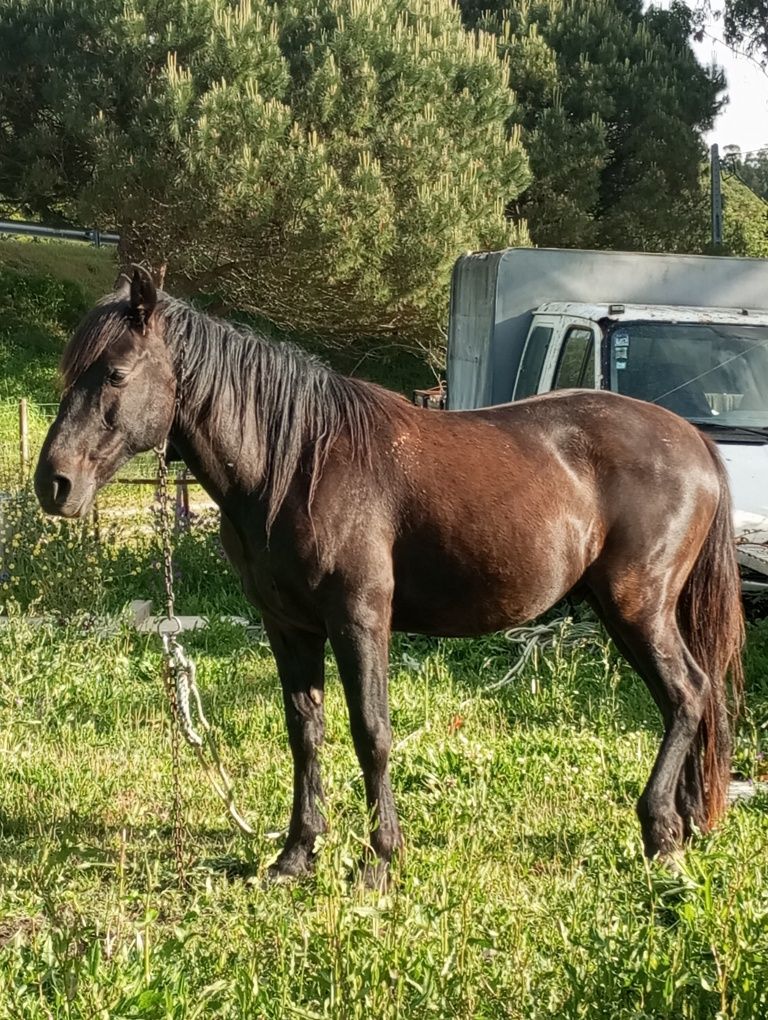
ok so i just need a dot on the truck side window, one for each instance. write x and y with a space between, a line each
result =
533 360
576 368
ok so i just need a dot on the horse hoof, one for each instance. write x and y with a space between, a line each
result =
291 865
673 862
663 834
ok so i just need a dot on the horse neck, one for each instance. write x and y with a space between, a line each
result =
244 448
221 459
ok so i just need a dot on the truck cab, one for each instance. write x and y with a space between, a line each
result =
709 365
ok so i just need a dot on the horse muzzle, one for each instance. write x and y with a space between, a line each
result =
62 493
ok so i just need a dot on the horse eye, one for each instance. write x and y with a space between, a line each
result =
115 376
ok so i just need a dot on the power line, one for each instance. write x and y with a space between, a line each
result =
742 155
736 52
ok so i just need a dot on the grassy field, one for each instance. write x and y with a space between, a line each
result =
45 287
523 892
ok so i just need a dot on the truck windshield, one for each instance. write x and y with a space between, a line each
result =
710 374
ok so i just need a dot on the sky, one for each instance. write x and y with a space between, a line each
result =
744 120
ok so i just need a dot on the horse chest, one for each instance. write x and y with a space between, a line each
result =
266 582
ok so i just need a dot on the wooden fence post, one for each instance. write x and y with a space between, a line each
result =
23 437
96 518
185 492
181 501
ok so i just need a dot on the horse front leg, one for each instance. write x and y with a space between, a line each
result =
361 646
300 663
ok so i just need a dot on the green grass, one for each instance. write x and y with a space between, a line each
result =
45 288
523 892
92 270
58 568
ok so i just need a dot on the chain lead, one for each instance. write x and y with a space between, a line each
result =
179 680
179 824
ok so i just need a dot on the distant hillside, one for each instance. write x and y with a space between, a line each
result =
45 287
93 270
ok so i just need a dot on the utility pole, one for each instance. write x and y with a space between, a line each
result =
717 200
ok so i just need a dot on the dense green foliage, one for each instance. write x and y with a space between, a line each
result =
613 105
320 164
745 202
745 220
751 169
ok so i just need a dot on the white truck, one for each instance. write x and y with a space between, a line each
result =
687 332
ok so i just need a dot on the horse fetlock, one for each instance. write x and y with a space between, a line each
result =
691 809
663 830
386 839
375 874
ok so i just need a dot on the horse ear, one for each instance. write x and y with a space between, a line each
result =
143 297
122 284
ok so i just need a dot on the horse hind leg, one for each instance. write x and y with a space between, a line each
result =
689 794
675 780
654 647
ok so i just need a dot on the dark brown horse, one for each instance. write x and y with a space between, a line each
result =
349 513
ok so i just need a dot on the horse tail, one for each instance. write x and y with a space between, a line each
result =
711 620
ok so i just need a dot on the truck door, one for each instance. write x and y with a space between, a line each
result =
573 359
559 354
535 355
576 364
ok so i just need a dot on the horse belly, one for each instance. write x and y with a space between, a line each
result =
460 592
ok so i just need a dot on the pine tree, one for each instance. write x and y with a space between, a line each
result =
613 105
43 157
319 162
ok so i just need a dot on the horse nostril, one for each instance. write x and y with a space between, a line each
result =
61 489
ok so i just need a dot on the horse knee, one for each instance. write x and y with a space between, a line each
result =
373 739
306 723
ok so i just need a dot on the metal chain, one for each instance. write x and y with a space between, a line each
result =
169 682
179 678
179 821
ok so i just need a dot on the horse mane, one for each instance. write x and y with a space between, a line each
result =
282 399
